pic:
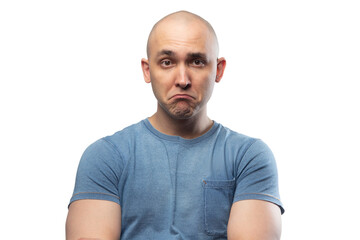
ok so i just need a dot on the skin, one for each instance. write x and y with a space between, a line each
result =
93 219
254 220
182 68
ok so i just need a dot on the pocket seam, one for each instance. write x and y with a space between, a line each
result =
215 184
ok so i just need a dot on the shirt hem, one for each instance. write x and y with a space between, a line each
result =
94 195
260 196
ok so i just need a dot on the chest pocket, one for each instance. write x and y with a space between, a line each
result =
218 197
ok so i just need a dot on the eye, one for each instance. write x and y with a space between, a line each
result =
165 63
198 62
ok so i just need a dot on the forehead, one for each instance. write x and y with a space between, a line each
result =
182 37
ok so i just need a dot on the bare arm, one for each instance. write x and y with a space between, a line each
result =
93 219
254 220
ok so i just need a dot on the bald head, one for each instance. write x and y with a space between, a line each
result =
182 19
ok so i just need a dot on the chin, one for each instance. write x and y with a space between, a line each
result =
180 111
182 115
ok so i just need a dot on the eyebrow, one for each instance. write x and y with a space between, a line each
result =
189 55
165 52
197 55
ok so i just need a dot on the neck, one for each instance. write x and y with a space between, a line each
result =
185 128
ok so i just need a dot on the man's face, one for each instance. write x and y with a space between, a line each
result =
182 67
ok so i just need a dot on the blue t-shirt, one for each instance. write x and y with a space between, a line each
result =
169 187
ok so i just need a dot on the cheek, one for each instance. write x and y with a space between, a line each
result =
206 84
160 84
209 89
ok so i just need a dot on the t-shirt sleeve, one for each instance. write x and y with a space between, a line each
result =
98 173
257 176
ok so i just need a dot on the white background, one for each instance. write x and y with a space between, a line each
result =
70 74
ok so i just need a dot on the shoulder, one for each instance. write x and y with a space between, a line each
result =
124 139
236 140
113 146
244 148
125 134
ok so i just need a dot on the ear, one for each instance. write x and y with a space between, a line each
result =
146 70
221 64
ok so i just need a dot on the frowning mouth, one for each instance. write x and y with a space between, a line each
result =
182 96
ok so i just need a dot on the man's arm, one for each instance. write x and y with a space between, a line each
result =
254 220
93 219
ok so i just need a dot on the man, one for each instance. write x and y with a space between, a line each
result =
177 174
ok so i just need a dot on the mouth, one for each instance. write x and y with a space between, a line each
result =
182 96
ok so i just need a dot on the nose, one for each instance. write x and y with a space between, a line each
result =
183 79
